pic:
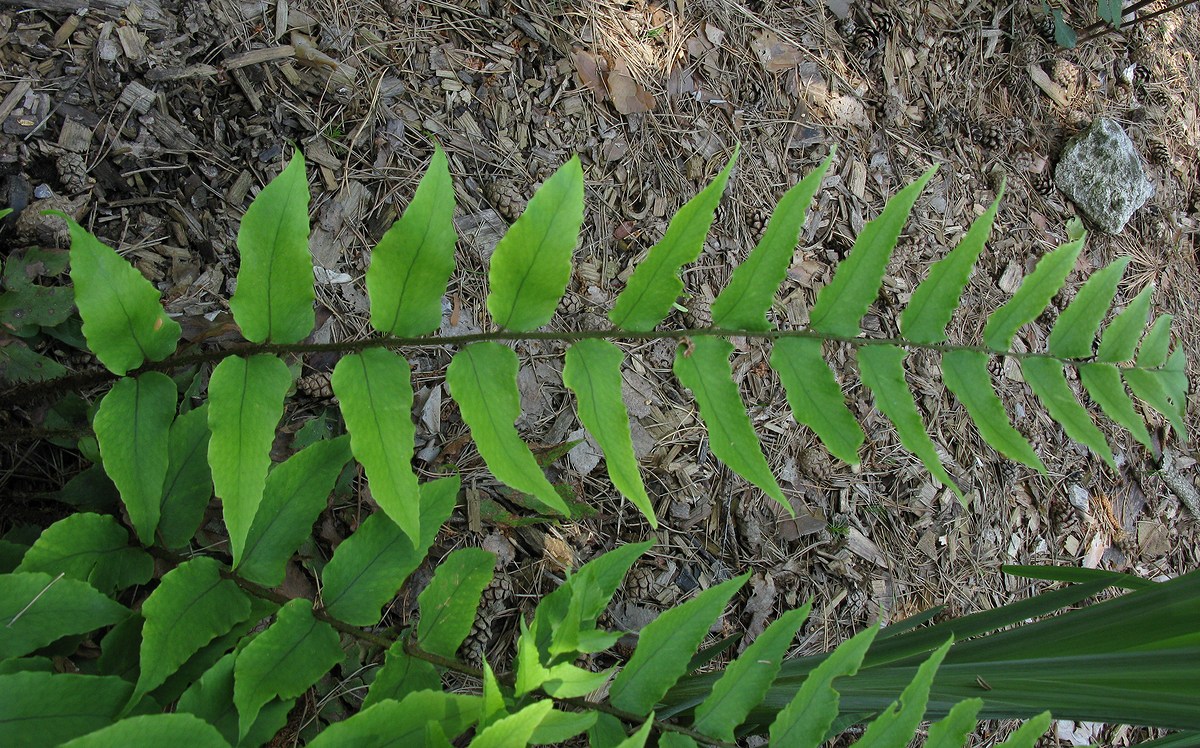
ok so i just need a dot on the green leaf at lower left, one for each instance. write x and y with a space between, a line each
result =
150 730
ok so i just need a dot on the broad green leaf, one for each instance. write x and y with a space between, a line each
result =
1026 736
965 373
401 723
1120 338
210 698
1153 352
1046 379
558 727
1111 11
123 321
1064 35
119 649
563 680
245 402
882 370
1164 390
744 302
1075 329
1103 384
401 675
842 303
295 494
374 389
655 285
191 606
37 608
531 266
744 683
493 706
676 740
933 302
274 296
92 548
283 661
449 602
702 365
370 565
514 730
483 379
607 732
953 730
638 739
815 397
666 646
188 485
897 724
413 261
47 709
1032 297
593 372
153 731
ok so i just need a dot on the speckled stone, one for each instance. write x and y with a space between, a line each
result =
1101 172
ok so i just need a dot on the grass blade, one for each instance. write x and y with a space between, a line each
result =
1046 379
898 723
815 397
965 373
1032 297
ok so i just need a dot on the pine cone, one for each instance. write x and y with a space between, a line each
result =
1160 153
506 199
1043 183
318 386
639 585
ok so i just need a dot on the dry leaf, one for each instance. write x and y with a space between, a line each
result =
627 96
714 34
591 70
774 53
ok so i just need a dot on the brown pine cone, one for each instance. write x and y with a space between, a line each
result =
506 199
318 386
1043 183
1160 153
639 584
492 604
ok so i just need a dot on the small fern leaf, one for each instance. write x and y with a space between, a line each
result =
1075 330
483 379
401 675
882 370
1046 379
449 602
965 373
493 707
188 485
1103 385
393 723
702 365
639 738
814 396
898 723
374 391
676 740
1029 733
38 609
953 730
563 681
842 303
743 304
745 682
274 296
556 728
933 302
1032 297
593 372
666 646
1165 390
1155 346
655 285
48 708
532 263
413 261
1120 338
149 730
92 548
514 730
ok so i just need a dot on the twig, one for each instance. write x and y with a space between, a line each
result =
1179 484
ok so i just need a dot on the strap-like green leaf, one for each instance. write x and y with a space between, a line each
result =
1075 330
1032 297
295 493
898 723
1153 352
494 706
92 548
593 372
483 379
532 263
153 731
815 397
274 296
514 730
413 261
449 603
401 675
702 365
655 285
666 646
47 709
563 680
374 389
37 608
744 302
392 723
933 302
953 730
882 370
965 373
211 699
122 319
1046 379
1103 384
744 683
841 304
188 485
1027 735
1165 390
558 727
245 402
1121 337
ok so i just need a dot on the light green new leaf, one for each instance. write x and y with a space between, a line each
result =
92 548
1032 297
665 647
402 723
37 608
1026 736
374 389
897 724
953 730
47 709
842 303
153 731
1153 352
745 682
744 302
1075 330
188 485
1120 338
1165 390
413 261
882 370
933 302
1046 379
558 727
531 266
564 680
123 321
514 730
401 675
191 606
1103 384
274 296
370 565
295 493
449 602
702 365
211 699
245 402
814 396
965 373
638 739
483 379
132 425
593 372
655 285
493 707
283 661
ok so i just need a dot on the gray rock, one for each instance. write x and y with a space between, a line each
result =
1101 172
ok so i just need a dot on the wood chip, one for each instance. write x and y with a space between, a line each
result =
259 56
1048 86
74 136
199 70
